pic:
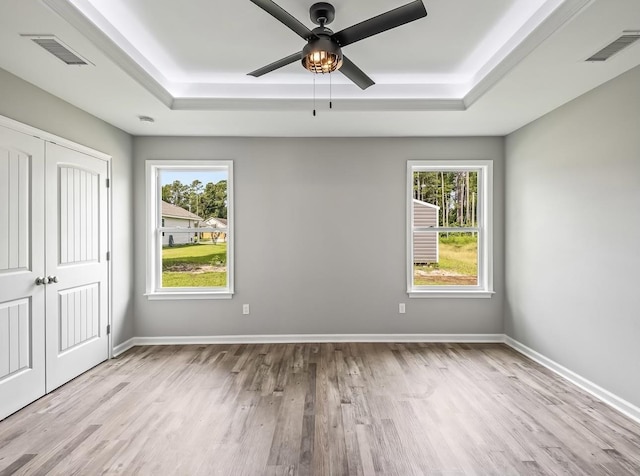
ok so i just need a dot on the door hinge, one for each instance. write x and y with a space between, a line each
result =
108 255
108 329
108 183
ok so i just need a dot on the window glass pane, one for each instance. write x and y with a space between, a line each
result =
202 192
445 259
452 197
191 260
193 199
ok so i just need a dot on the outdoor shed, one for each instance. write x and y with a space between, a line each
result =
178 217
425 244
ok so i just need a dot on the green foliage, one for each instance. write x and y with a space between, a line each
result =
215 200
206 201
455 193
458 239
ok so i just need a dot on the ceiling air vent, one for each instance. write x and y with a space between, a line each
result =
58 49
627 38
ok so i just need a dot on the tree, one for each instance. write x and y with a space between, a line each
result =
454 192
195 196
214 200
176 193
206 201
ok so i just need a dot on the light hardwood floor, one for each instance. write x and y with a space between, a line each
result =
321 409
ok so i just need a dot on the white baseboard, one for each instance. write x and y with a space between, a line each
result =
125 346
307 338
588 386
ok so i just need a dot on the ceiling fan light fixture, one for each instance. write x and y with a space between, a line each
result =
322 55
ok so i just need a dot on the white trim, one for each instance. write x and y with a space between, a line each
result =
415 293
626 408
125 346
137 68
294 104
186 295
109 250
153 235
502 63
484 169
313 338
48 137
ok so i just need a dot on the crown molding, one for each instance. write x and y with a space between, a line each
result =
517 49
286 104
101 40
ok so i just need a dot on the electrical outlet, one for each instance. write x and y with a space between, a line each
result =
401 308
245 309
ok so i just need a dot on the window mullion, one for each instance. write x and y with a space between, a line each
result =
442 229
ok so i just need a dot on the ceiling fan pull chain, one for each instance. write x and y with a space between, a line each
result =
330 96
314 95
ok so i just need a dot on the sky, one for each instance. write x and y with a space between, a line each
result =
188 176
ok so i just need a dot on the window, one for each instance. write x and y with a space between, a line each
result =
189 229
449 223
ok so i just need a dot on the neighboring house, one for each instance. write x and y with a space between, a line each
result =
175 216
425 245
216 237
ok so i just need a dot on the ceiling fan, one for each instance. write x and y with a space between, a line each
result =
323 53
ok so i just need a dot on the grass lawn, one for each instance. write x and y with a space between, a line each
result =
193 280
458 263
194 265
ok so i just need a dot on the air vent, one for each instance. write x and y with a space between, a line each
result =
58 49
627 38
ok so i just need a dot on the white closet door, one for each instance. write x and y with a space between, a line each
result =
76 255
22 301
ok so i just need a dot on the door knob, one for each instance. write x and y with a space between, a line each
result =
52 279
40 281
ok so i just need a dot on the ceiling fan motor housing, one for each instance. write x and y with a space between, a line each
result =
322 13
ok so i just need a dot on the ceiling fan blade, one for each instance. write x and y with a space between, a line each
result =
355 74
276 64
285 17
386 21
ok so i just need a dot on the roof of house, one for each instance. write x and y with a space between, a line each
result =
212 219
169 210
423 203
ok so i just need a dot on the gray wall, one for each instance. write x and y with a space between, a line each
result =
573 236
311 258
28 104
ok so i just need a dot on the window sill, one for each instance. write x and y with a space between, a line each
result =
451 294
182 296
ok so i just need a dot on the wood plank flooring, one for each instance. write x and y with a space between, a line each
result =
319 409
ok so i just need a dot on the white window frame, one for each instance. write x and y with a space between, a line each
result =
154 289
484 288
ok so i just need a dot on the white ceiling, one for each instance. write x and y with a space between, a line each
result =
468 68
